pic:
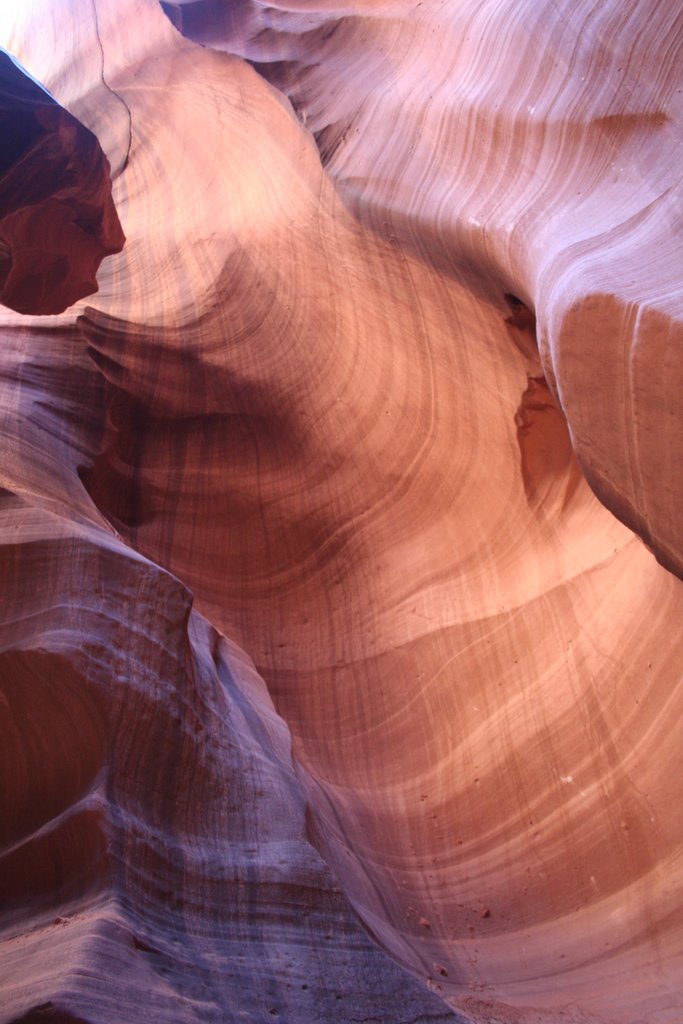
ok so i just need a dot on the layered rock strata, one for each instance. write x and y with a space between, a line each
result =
313 394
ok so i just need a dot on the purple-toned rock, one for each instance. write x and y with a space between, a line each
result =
57 216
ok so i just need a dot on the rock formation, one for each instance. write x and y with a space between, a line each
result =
57 218
307 530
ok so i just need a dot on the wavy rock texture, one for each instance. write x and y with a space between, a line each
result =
57 218
313 395
154 860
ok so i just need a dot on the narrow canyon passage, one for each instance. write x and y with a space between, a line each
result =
305 536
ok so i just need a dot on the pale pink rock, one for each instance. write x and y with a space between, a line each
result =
394 275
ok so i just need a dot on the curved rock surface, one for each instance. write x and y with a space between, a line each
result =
540 141
389 267
57 218
154 857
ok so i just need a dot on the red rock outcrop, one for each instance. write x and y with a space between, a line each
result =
388 268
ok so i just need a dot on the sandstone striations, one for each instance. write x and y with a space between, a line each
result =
298 542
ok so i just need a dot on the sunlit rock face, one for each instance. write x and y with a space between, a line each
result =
57 217
395 275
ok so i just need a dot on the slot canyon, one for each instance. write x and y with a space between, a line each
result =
341 512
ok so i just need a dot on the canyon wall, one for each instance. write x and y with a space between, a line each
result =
341 528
